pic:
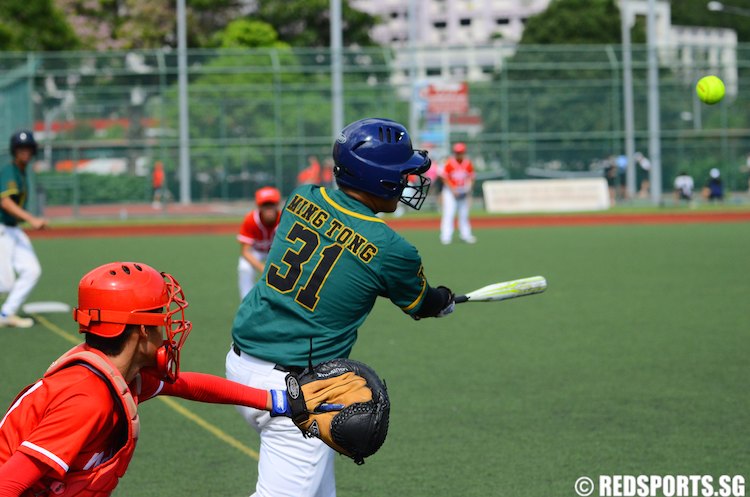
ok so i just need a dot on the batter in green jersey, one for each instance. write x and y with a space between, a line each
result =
329 261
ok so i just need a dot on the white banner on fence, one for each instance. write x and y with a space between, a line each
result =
546 195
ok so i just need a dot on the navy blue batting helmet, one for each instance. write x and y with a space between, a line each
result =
376 156
22 139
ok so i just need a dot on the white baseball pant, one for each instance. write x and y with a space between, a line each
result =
290 465
19 268
247 276
450 207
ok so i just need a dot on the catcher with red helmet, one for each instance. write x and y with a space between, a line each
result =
73 432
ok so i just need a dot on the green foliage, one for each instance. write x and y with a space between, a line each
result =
31 25
306 23
206 18
263 111
59 188
147 24
695 13
249 33
562 90
574 22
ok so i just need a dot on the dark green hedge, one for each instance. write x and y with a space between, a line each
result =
58 189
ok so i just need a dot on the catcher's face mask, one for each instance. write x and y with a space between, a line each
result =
118 294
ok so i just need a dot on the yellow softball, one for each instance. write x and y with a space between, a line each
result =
710 89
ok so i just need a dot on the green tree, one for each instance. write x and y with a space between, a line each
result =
142 24
261 104
696 13
306 23
568 22
34 25
248 33
561 91
147 24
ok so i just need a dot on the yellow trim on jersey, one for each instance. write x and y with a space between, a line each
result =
418 299
347 211
8 193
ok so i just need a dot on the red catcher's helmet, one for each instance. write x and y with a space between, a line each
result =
459 148
267 195
121 293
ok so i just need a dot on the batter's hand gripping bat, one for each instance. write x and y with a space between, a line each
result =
505 290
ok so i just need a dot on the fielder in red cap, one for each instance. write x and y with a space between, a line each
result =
74 432
458 179
255 236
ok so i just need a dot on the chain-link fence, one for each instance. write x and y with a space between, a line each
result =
104 119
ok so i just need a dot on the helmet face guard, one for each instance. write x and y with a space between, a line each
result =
177 329
376 156
115 295
415 192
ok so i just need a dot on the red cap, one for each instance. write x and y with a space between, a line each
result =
267 195
459 148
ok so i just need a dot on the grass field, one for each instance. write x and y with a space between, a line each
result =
635 361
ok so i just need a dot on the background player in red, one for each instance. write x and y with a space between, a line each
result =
157 182
255 237
73 432
458 179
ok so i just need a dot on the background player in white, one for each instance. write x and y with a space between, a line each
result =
458 179
255 237
19 266
683 187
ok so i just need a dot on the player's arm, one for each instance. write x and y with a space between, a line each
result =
407 286
19 473
202 387
15 210
247 253
437 303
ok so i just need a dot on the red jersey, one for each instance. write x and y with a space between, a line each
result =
68 421
255 233
457 174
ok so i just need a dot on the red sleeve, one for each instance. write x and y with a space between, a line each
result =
209 388
444 172
249 230
470 169
19 473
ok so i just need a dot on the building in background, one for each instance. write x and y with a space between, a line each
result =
477 35
451 22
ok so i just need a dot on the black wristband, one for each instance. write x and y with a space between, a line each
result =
434 301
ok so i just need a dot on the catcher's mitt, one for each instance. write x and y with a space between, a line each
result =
342 402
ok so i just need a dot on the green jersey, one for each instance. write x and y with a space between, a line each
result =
330 259
13 185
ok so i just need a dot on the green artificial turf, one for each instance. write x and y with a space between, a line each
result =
633 362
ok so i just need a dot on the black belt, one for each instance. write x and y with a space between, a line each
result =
277 367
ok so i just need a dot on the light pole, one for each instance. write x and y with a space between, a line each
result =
627 21
654 126
337 85
182 95
729 9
